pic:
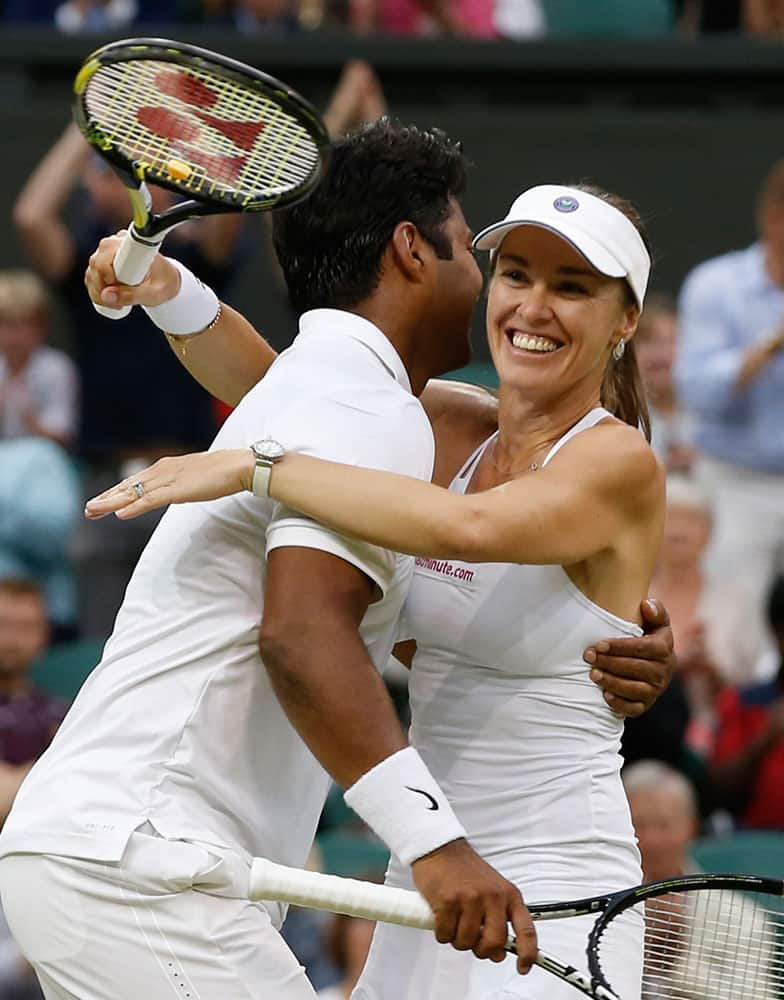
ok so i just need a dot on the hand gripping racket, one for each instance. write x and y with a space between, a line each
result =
226 136
707 937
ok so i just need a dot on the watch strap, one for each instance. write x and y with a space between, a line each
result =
261 479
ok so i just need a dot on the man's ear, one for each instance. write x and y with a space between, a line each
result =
409 251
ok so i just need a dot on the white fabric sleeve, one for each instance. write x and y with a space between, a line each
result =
394 436
288 527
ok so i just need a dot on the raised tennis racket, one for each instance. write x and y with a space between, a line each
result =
228 137
707 937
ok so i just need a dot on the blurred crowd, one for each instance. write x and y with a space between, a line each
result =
484 19
707 759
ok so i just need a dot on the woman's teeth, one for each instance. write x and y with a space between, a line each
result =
540 344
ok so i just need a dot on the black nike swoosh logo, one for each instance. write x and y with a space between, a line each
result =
420 791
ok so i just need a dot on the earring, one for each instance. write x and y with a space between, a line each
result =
618 350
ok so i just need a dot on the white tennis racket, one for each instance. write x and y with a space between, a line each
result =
707 937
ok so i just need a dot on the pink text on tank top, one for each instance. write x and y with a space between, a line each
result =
445 568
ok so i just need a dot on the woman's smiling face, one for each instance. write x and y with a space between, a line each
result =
552 319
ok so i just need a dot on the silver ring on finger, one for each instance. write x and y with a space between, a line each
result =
138 488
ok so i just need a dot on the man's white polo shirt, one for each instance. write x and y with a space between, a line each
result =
178 724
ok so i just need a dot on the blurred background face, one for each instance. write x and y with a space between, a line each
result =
773 228
665 829
267 10
109 196
19 337
23 632
655 342
686 534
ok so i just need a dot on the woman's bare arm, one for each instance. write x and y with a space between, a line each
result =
227 360
234 356
563 514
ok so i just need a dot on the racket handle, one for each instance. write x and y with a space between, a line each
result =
338 895
391 905
131 264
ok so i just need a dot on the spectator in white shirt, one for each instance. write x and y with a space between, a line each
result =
39 385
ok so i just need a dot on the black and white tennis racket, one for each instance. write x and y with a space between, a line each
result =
707 937
228 137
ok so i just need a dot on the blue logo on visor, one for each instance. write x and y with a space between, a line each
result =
566 204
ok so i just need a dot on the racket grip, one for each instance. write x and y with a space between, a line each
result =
131 264
272 881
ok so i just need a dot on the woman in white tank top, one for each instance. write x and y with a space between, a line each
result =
542 543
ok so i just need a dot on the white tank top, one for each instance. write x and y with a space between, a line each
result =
507 718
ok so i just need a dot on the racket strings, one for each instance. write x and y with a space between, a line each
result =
178 132
711 944
157 114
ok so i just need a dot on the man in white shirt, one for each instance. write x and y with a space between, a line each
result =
125 858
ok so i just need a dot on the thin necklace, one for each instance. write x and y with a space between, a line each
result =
508 472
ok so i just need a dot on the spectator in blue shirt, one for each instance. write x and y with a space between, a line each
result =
40 504
730 375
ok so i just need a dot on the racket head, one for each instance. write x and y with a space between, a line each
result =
215 130
715 937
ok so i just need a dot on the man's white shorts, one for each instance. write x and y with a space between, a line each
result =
137 930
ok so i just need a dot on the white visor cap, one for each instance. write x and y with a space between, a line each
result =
602 234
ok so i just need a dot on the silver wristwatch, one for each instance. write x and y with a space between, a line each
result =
266 452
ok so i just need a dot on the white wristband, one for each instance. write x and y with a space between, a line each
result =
193 308
401 800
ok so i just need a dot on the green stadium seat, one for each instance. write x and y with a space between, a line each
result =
609 18
352 855
336 814
346 846
745 852
64 668
479 373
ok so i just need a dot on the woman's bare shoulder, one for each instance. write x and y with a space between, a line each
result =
462 416
619 458
460 401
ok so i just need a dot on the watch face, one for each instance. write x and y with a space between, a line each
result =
268 449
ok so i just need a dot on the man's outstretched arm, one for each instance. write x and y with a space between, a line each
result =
633 672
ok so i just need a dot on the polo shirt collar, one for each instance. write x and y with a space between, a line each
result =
346 324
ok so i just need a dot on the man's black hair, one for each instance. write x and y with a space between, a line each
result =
776 605
331 244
